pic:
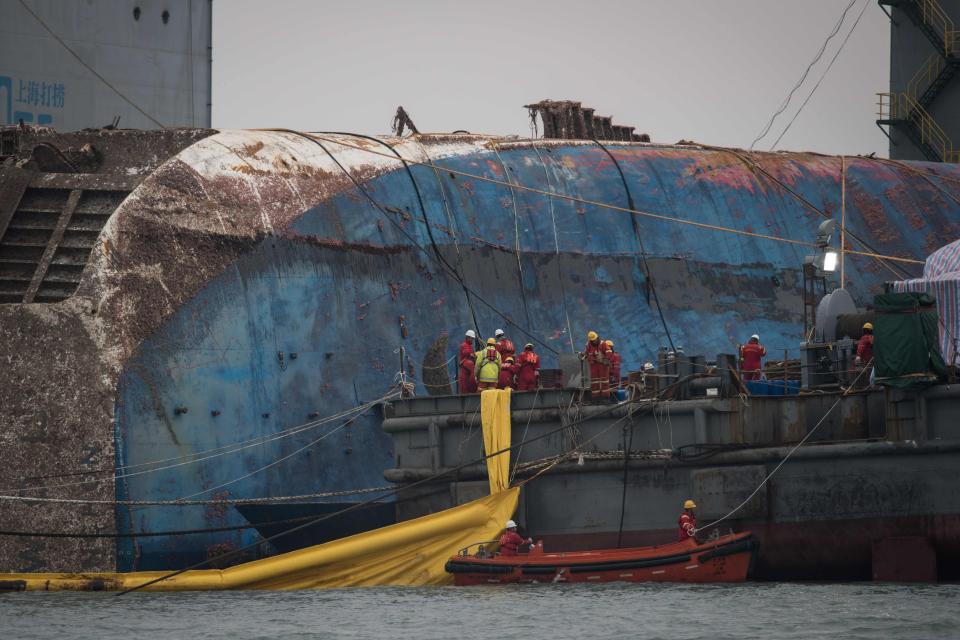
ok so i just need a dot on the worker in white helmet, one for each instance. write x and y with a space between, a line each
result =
510 541
505 346
751 358
465 381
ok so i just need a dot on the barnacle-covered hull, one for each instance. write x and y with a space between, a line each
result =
244 285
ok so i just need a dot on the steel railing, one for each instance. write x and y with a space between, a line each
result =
938 20
904 107
925 76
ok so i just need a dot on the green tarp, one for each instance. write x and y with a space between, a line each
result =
907 340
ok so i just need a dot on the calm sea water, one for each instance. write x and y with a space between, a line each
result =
672 612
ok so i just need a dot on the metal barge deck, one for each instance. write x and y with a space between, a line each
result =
875 485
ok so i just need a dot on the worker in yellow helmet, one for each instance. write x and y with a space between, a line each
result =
597 355
486 368
688 522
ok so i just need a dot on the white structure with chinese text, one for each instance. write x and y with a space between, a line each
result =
153 58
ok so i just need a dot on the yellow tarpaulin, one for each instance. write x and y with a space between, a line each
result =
495 417
411 553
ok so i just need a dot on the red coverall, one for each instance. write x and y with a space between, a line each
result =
529 365
597 354
465 381
865 349
506 349
509 542
750 358
508 374
615 361
687 526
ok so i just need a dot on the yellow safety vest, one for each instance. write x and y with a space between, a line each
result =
488 370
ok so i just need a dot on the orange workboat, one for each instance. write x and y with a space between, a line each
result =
722 559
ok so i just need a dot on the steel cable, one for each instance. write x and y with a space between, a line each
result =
284 434
447 268
816 58
606 205
423 211
643 252
803 441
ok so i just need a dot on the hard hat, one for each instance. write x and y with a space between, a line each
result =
648 366
509 358
689 504
592 335
609 343
755 337
511 524
868 325
498 332
491 341
471 333
529 345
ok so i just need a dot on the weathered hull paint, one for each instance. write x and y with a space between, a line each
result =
253 244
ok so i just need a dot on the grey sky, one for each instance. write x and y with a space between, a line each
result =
702 70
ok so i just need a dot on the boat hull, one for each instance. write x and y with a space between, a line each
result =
726 559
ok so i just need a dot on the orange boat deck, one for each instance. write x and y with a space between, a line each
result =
725 559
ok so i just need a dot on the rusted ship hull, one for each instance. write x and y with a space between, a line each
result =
245 285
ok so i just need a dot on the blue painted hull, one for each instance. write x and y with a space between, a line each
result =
343 289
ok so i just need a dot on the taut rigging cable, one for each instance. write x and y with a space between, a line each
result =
447 268
423 211
359 505
253 443
606 205
643 252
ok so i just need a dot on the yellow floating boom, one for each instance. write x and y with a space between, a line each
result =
411 553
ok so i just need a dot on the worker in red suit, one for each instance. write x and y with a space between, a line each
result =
596 354
865 346
864 359
504 345
615 362
508 374
528 365
751 358
687 525
465 380
510 541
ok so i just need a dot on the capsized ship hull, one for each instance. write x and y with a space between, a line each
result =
246 286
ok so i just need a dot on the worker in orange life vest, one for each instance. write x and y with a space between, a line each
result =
597 354
504 345
511 540
508 374
465 380
528 364
751 355
615 361
688 522
486 367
